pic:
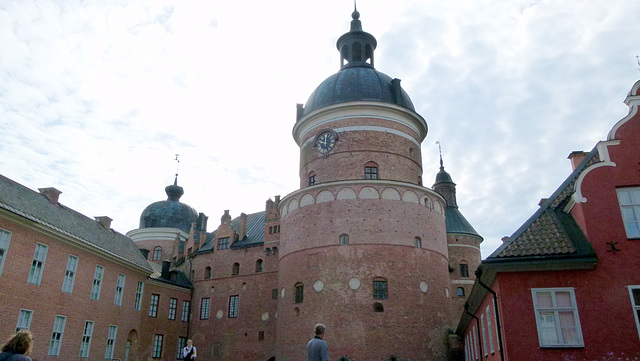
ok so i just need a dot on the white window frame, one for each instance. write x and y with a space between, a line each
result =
87 334
37 265
234 305
111 341
70 274
205 306
490 329
635 305
157 253
182 343
484 336
186 309
630 210
56 335
475 343
97 282
5 239
173 308
137 304
555 310
157 345
117 299
154 302
24 319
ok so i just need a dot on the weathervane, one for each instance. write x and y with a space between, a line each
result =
177 165
440 151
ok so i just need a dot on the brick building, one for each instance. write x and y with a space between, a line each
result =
565 283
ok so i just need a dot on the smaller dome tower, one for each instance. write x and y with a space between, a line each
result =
170 213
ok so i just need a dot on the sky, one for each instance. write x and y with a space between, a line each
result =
97 97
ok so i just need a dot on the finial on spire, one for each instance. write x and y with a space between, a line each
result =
440 151
175 183
638 60
355 15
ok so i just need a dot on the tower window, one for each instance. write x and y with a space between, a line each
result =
379 288
357 52
207 272
259 265
236 269
344 239
157 253
460 292
370 172
464 270
299 296
312 180
417 242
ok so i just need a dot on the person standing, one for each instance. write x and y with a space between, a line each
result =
17 347
189 352
317 349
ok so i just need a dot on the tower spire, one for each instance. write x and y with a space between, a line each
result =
356 46
175 183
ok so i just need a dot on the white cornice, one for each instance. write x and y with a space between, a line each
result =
605 161
156 234
633 101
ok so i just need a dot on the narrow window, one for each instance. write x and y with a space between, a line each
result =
299 294
236 269
260 335
271 230
56 336
5 238
39 256
233 306
97 282
378 307
137 304
370 172
475 343
24 320
111 341
484 335
182 343
186 310
417 242
629 199
464 270
357 51
173 306
634 293
157 346
205 305
117 300
274 295
460 292
85 346
490 330
157 253
153 305
379 288
312 180
70 274
276 228
223 243
207 272
557 317
259 265
344 239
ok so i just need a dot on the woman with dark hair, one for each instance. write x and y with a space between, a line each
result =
17 347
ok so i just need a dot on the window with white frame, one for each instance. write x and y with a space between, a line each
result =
97 282
475 343
117 300
490 329
24 320
173 305
629 199
182 343
157 253
634 293
39 256
85 346
5 238
111 341
70 274
233 306
205 304
137 304
186 309
557 317
157 346
56 335
153 305
484 335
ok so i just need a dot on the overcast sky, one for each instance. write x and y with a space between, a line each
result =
97 97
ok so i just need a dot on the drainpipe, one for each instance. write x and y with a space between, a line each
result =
495 310
190 297
466 309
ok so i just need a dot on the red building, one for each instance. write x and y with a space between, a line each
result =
565 282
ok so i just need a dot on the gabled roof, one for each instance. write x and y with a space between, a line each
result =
253 238
36 207
550 233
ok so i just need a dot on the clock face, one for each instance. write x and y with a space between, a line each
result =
325 141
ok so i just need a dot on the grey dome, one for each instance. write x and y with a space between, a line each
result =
170 213
358 82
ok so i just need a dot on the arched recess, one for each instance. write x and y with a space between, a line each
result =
131 348
293 205
324 196
346 193
411 197
369 193
306 200
391 193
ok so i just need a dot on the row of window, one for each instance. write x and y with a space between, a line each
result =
205 307
235 269
274 229
59 324
472 344
173 307
380 290
370 173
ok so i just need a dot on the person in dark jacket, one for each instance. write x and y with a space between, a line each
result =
189 352
17 347
317 349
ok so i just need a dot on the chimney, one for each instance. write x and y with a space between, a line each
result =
504 239
299 111
576 157
226 218
277 200
243 226
104 221
51 193
542 200
165 269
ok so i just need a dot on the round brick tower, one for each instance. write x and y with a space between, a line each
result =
363 245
